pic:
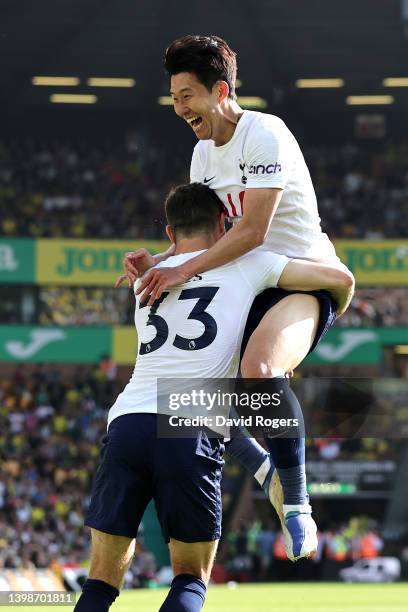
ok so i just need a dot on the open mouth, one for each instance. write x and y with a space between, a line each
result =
195 121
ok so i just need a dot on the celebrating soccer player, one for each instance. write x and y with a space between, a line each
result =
188 333
255 165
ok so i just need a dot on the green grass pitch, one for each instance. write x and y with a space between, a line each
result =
289 597
284 598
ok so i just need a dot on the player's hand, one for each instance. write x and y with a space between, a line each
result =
157 280
135 264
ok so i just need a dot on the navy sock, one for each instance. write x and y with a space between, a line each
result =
187 594
287 454
97 596
249 453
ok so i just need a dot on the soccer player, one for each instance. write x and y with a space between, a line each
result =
188 333
256 167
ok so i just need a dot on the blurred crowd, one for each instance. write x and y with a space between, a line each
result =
363 449
83 190
61 305
51 426
379 307
361 192
49 440
256 550
116 189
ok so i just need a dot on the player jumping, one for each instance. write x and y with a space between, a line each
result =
188 334
256 167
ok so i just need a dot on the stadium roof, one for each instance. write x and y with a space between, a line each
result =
359 41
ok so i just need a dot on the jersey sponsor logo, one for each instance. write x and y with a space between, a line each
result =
206 180
269 169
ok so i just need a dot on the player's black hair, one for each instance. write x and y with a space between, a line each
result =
208 57
192 209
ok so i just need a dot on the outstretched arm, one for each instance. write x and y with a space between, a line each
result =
308 276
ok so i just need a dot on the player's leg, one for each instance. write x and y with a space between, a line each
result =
250 454
279 343
110 557
192 564
254 458
121 490
188 501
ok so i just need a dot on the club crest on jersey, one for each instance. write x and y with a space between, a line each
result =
242 165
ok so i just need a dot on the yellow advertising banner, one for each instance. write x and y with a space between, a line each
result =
99 262
375 262
124 344
86 262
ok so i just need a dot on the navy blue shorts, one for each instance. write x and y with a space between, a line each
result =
268 298
182 475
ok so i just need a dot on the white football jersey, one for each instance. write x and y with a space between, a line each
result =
264 153
196 330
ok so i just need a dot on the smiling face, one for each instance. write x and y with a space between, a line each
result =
194 103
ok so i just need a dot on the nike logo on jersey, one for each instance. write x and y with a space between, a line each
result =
206 180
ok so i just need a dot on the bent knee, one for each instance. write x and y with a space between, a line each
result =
344 278
255 367
198 571
195 569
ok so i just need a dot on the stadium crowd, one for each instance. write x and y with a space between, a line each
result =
61 305
116 189
256 550
83 190
51 426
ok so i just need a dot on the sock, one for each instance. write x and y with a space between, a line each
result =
97 596
287 454
250 454
187 594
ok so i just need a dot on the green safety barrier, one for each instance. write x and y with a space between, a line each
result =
54 344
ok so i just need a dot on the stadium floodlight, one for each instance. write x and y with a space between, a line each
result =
73 99
319 83
369 100
244 101
395 82
252 102
110 82
53 81
165 101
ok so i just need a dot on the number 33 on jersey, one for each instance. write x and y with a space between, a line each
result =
195 331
